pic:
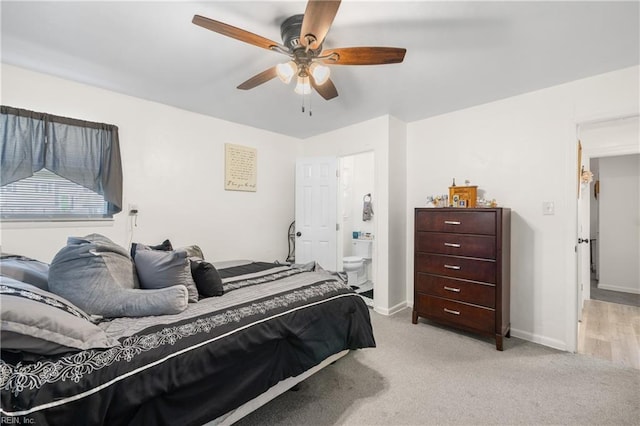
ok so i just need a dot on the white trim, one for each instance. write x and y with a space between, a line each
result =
618 288
392 310
542 340
60 223
610 151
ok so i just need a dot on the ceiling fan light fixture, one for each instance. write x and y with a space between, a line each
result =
286 71
303 87
320 73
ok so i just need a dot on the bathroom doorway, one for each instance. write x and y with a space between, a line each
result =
356 215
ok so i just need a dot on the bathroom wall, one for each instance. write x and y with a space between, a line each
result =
357 179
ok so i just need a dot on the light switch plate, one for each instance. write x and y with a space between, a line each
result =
548 208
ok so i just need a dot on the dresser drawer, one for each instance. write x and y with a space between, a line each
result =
457 267
457 244
456 220
474 317
464 291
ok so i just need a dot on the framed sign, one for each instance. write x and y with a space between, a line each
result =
240 168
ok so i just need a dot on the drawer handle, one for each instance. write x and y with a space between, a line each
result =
456 267
449 311
452 245
455 290
451 222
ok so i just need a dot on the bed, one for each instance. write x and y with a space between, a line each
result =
212 363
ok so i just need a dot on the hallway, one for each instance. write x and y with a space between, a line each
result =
610 331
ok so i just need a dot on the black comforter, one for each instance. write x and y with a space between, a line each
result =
192 368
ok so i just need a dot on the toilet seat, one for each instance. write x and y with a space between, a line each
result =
351 259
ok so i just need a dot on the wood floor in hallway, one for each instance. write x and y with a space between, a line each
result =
610 331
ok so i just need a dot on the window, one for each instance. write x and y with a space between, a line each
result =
46 195
57 168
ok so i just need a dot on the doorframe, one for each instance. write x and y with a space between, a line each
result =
587 154
340 240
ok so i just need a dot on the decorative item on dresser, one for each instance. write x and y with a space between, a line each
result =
462 268
463 196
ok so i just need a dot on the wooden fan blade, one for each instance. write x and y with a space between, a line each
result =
327 90
258 79
317 20
364 55
233 32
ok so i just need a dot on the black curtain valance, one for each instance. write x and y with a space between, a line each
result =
84 152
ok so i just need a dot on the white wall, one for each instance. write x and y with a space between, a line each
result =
371 135
173 167
358 176
594 216
399 234
522 152
619 233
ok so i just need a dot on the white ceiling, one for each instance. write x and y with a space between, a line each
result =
459 54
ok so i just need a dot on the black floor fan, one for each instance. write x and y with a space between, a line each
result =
291 257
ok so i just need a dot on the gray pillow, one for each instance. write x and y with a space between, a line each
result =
193 251
160 269
37 321
98 276
26 270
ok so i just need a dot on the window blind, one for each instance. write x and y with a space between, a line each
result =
45 195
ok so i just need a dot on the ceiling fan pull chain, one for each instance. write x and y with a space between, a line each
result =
310 96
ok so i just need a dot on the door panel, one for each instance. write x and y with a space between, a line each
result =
316 211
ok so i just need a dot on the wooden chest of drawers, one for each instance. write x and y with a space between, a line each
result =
461 269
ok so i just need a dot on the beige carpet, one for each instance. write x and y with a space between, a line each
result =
424 374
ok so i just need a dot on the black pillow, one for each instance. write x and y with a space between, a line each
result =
207 278
164 246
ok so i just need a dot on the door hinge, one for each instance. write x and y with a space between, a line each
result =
337 173
337 226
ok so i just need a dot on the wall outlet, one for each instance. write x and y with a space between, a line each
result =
548 208
133 209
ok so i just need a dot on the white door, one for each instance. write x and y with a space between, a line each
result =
583 247
316 211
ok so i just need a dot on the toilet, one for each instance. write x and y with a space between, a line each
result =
355 265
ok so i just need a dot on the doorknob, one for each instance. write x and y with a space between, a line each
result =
583 240
298 234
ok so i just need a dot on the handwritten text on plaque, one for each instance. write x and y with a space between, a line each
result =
240 168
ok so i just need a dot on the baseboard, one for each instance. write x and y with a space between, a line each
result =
534 338
392 310
542 340
617 288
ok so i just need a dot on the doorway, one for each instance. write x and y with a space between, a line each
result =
605 326
620 177
356 215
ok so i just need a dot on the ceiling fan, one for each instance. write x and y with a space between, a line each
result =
302 37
